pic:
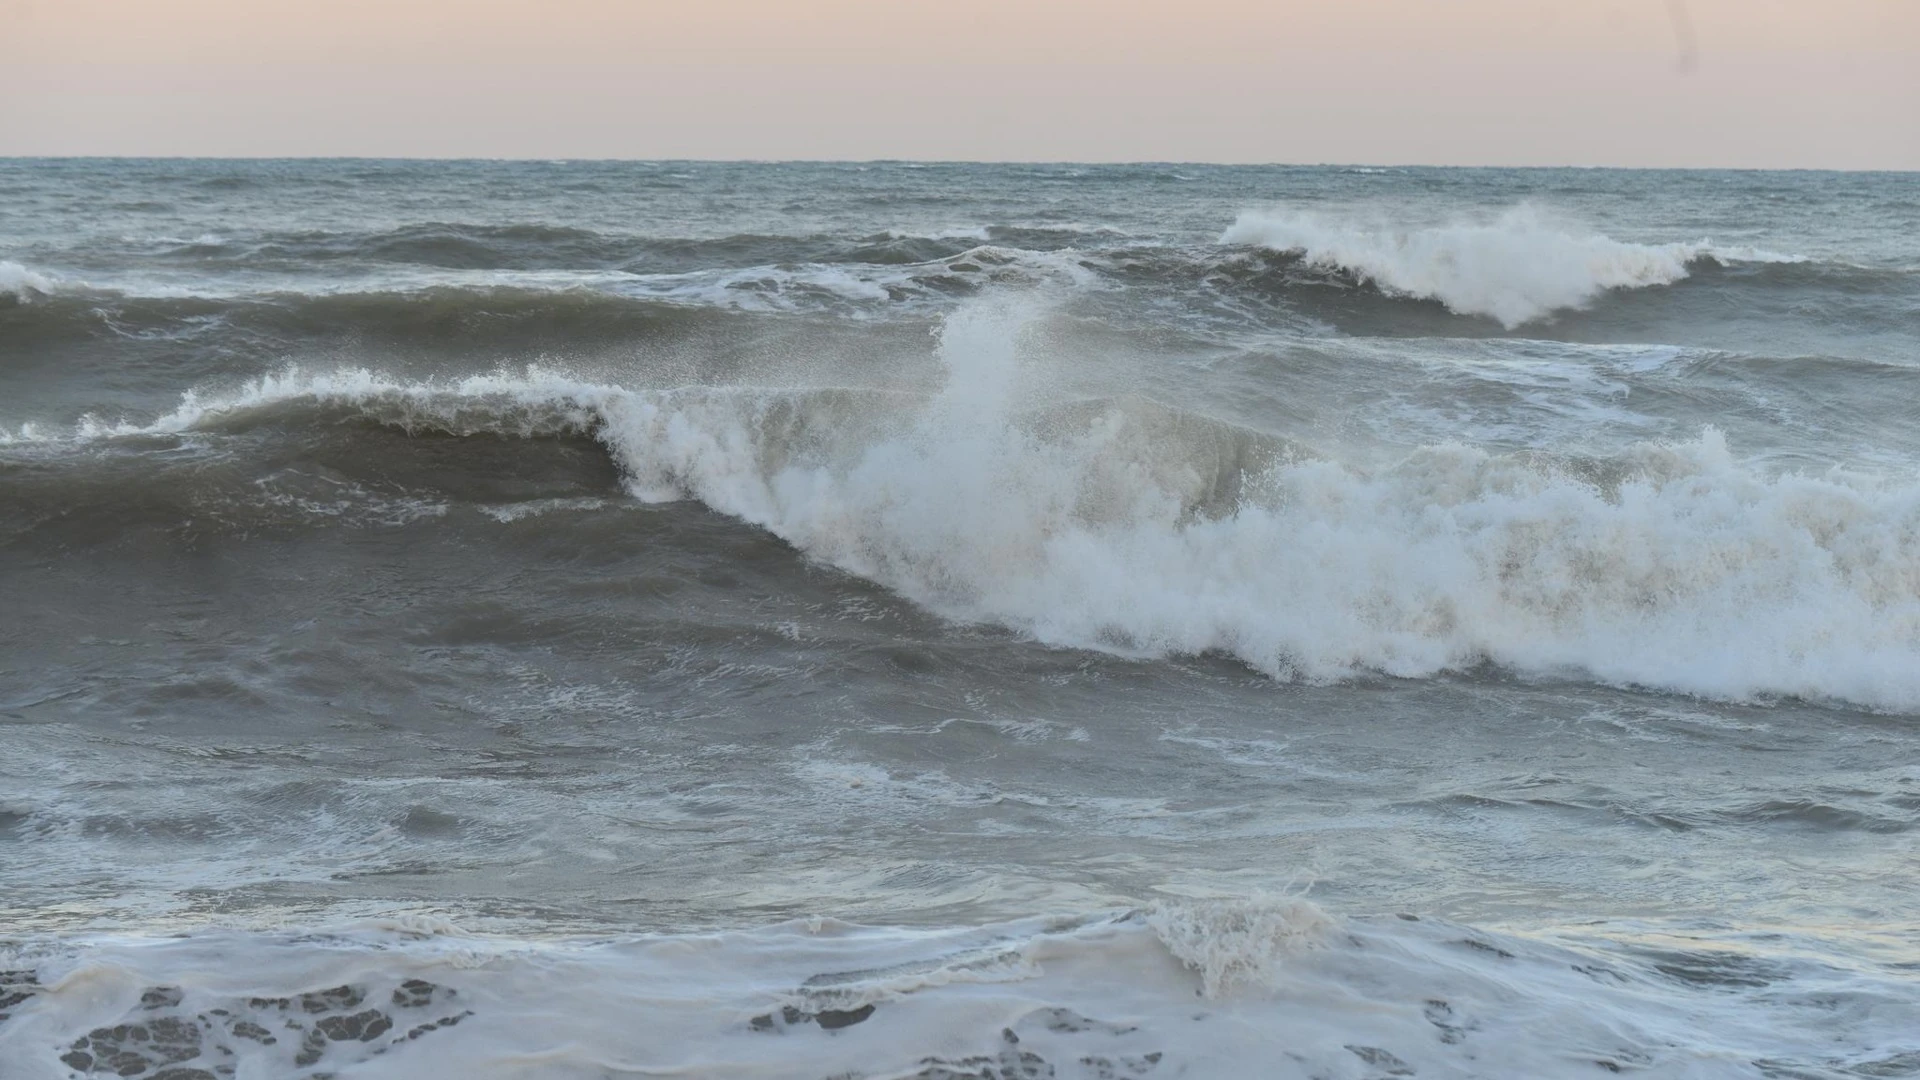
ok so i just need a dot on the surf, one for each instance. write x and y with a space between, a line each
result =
1202 986
1122 525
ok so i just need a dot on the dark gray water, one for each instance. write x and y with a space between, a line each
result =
575 619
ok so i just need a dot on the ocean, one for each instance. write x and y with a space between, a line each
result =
610 619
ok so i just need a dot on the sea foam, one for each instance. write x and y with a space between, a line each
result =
1092 996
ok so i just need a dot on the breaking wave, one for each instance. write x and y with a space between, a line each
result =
1519 268
17 283
1119 524
562 306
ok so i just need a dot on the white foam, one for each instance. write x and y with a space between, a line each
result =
22 283
1237 941
1108 994
205 239
1672 566
26 433
1517 268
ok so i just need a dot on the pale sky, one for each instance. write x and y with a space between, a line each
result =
1775 83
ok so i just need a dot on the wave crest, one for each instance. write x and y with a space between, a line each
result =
1517 269
1081 996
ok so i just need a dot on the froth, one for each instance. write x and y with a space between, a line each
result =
1095 995
1517 268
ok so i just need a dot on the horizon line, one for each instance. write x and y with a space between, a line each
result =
924 162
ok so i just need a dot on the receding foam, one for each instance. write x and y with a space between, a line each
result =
1088 996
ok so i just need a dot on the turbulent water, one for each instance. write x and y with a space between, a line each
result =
587 620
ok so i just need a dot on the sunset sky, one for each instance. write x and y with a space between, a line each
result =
1790 83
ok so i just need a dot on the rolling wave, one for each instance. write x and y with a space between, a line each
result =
1126 526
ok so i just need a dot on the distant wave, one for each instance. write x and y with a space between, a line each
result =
1126 526
457 245
1516 269
571 303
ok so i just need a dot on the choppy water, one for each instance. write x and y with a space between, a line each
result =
580 620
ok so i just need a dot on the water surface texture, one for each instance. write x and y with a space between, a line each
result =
519 620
